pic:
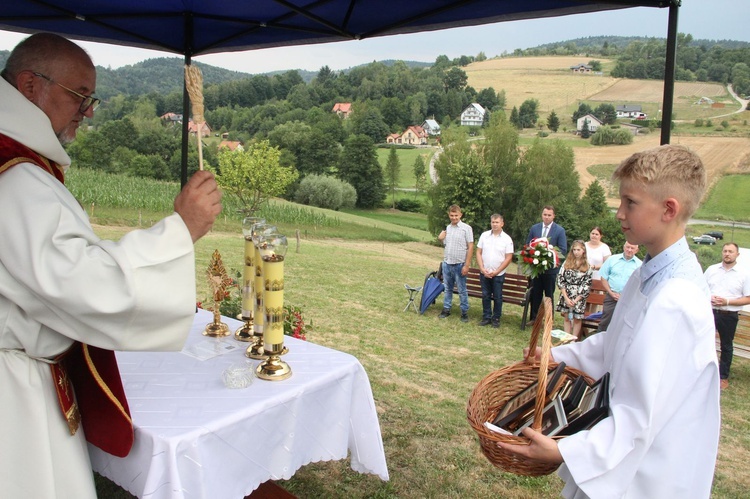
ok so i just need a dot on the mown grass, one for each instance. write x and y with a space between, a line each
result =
406 159
728 200
422 370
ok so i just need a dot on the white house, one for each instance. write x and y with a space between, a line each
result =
628 111
593 121
431 127
473 115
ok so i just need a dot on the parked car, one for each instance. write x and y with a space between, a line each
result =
716 234
704 239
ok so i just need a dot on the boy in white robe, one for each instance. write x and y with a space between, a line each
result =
59 282
661 436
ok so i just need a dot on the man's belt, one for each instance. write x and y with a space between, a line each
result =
725 312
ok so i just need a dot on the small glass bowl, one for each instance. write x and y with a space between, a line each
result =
238 375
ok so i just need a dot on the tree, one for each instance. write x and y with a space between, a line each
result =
392 169
420 174
606 113
455 79
514 119
585 130
583 110
253 175
546 175
553 122
369 121
359 166
488 99
527 113
595 65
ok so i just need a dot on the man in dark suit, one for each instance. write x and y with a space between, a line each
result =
544 284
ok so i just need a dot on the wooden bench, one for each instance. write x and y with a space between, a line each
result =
594 303
741 337
516 289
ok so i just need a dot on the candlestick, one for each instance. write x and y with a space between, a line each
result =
245 332
258 233
273 250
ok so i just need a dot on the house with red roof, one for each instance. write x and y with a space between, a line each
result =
343 109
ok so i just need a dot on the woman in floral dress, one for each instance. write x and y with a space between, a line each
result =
574 281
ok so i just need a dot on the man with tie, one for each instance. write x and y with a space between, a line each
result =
544 284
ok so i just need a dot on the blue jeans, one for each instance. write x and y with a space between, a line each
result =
452 275
492 290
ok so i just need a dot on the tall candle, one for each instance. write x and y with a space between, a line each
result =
249 274
273 299
258 292
248 301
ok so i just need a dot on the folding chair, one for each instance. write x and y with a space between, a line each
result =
412 294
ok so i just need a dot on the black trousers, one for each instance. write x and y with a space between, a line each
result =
541 286
726 325
608 310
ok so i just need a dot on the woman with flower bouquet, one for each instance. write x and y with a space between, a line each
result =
574 281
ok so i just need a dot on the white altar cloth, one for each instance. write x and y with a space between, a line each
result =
195 438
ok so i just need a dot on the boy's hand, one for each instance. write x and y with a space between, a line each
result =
441 236
542 448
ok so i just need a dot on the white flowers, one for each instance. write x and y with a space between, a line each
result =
537 253
536 260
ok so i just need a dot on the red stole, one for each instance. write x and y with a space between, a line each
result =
99 402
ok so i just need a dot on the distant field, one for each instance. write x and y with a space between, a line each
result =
728 200
720 155
547 79
550 81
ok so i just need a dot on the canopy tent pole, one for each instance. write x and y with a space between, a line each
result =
669 72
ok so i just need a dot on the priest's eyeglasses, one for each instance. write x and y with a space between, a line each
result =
87 101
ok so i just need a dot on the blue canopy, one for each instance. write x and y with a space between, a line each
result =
202 27
191 27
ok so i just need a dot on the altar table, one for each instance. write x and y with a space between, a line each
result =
196 438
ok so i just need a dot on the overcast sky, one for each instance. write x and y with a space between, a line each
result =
704 19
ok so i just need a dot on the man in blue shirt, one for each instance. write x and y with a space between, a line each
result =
615 273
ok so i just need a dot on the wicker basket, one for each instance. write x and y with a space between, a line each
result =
491 394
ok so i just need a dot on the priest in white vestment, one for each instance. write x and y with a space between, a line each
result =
60 283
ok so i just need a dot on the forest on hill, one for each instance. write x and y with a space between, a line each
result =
295 115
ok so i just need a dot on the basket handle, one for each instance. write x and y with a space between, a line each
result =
542 325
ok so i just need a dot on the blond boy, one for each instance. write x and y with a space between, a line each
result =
661 436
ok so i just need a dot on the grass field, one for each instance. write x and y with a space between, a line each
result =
406 158
422 371
728 200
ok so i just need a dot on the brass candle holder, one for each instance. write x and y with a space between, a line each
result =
245 332
218 280
273 250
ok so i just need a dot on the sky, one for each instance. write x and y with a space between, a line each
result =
703 19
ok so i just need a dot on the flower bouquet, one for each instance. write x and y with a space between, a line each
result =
538 256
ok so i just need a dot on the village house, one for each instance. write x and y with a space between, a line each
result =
204 129
629 111
232 145
581 68
593 122
171 117
473 115
342 109
431 127
414 135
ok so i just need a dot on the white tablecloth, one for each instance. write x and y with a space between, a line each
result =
195 438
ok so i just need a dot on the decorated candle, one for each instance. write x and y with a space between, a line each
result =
273 299
258 292
249 274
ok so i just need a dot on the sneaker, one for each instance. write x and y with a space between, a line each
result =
464 317
496 323
485 322
724 384
445 313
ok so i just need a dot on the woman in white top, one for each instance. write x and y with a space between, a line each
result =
596 251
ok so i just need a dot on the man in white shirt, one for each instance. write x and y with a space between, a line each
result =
494 254
730 291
